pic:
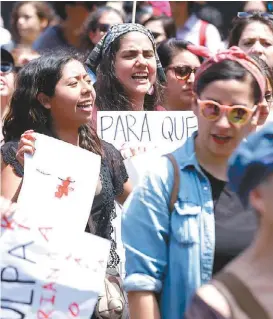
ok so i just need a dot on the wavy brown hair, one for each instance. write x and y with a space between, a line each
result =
111 95
27 113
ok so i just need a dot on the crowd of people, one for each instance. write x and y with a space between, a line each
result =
198 228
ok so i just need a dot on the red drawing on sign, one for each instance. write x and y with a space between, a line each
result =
44 231
42 315
63 189
7 223
74 309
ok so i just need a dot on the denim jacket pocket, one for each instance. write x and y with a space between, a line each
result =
185 223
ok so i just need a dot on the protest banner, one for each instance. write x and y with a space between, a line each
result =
48 273
59 183
166 130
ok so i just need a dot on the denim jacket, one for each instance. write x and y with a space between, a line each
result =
170 253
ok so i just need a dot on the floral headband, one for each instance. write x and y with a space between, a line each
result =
233 54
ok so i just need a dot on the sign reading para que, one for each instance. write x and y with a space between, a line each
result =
146 127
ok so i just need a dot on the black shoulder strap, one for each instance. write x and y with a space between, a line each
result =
176 182
243 296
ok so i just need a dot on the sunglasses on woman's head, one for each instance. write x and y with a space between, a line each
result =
265 15
237 114
182 72
103 27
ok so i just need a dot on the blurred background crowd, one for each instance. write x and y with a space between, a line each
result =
29 28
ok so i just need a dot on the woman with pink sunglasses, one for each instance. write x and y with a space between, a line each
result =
171 250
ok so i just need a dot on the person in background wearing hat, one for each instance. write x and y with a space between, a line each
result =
175 244
250 174
7 77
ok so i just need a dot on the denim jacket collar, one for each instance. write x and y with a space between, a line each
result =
185 155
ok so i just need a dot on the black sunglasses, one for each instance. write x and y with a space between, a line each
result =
182 72
7 67
265 15
103 27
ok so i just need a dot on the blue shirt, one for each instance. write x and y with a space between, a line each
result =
51 38
171 254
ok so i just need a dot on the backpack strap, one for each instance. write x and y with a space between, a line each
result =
202 33
176 182
243 296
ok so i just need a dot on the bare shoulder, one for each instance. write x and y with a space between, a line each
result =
212 296
10 182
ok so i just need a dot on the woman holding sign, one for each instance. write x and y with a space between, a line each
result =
175 241
54 96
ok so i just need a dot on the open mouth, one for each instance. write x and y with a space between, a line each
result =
86 106
140 76
221 139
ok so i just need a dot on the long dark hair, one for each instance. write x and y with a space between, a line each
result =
228 70
26 112
167 23
111 95
239 24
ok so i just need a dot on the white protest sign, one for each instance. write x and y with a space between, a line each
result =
59 183
138 165
166 130
49 274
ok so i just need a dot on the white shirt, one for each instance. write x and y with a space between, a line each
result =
191 32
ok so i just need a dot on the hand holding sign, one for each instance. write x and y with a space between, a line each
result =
46 270
133 149
7 208
54 185
26 146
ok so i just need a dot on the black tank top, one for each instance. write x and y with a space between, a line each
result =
235 226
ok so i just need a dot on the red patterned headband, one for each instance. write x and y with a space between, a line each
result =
233 54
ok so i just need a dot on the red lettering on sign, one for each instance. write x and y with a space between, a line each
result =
42 315
9 224
74 309
52 300
77 260
68 257
50 286
43 231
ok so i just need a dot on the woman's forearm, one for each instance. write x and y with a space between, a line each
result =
143 305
